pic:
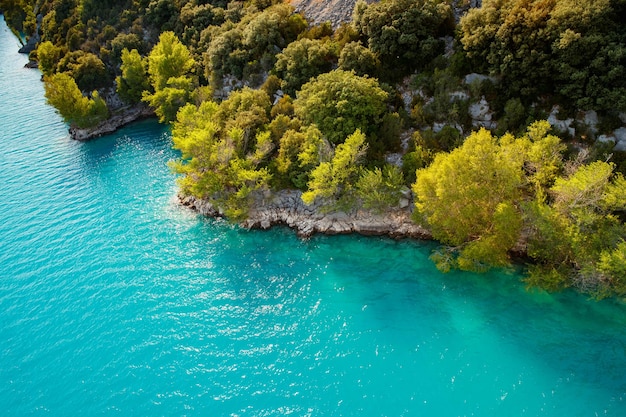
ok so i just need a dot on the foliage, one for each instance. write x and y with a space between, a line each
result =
248 47
356 57
578 236
300 151
468 196
302 60
247 110
275 27
48 57
168 59
167 100
134 79
163 14
340 102
483 197
225 55
63 94
19 15
90 73
444 140
380 189
216 164
170 66
127 41
333 181
413 160
404 34
574 49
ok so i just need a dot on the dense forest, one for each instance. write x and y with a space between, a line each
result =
259 98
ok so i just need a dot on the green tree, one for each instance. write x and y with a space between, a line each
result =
574 49
63 94
303 60
273 28
128 41
467 197
356 57
340 102
225 54
404 34
134 79
170 66
333 181
163 14
90 73
19 15
48 57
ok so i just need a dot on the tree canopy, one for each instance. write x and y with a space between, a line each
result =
340 102
62 92
492 194
404 34
468 198
575 49
170 69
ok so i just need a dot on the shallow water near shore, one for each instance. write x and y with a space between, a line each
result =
114 300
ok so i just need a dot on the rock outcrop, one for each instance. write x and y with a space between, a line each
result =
119 118
334 11
285 207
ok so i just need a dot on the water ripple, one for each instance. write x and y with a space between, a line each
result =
115 300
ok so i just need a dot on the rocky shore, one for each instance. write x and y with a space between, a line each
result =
285 207
118 119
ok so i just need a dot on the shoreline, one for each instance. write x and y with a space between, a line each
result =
118 119
285 207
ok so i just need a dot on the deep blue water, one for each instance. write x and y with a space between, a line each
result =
116 301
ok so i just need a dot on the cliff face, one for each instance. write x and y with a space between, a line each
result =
320 11
340 11
285 207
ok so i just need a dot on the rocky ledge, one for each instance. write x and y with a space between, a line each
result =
119 118
287 208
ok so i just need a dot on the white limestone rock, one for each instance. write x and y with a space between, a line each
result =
559 124
481 114
620 139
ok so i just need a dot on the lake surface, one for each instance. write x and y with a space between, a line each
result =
116 301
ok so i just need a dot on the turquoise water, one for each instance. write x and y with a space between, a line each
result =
116 301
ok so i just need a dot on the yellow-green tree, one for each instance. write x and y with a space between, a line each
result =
300 151
576 236
468 199
217 163
63 94
170 68
490 194
340 102
48 57
334 180
134 79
